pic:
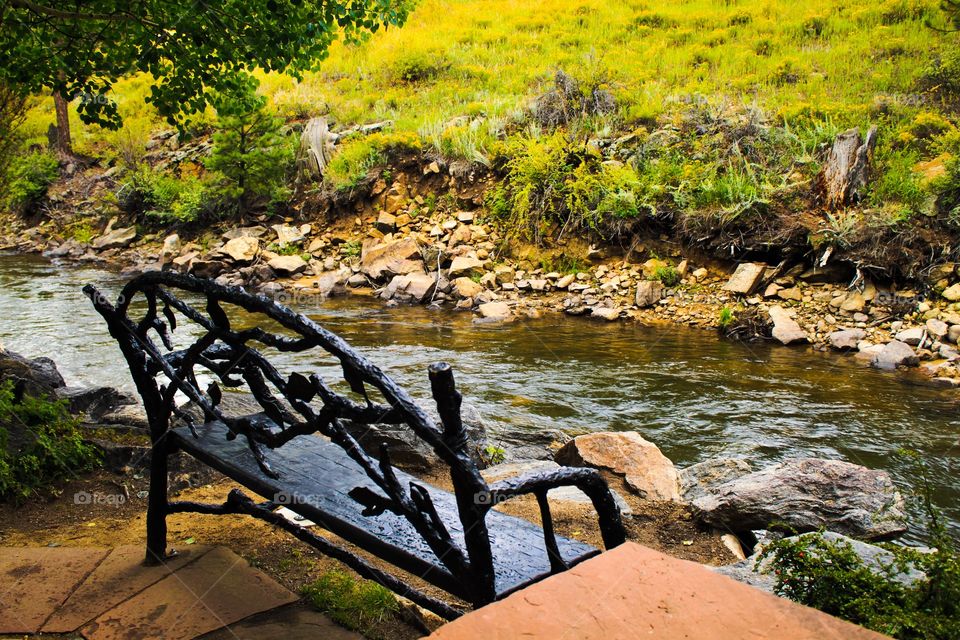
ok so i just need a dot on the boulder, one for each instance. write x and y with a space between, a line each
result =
208 268
386 222
494 310
785 328
171 248
243 249
698 480
854 302
389 259
846 339
518 443
287 235
649 293
746 278
116 239
95 402
287 265
895 354
912 336
465 266
466 288
605 313
417 287
244 232
807 495
627 455
937 328
36 377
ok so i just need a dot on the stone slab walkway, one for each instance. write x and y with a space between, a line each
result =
107 593
634 592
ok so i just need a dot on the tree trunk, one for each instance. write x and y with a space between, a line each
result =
845 173
64 145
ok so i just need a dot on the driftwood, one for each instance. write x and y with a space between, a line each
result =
846 171
317 143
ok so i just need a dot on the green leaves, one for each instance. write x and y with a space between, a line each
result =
193 49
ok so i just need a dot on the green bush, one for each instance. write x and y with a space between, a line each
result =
164 198
249 153
667 275
55 448
355 604
726 318
418 66
30 176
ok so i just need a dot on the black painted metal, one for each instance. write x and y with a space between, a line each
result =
455 542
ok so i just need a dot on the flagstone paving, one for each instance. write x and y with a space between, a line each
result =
106 594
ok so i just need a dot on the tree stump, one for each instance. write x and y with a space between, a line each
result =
316 147
845 173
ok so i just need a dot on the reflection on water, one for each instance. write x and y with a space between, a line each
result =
693 395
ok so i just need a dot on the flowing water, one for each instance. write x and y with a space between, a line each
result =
693 395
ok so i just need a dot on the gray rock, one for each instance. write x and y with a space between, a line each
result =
785 328
807 494
649 293
287 234
37 376
116 239
94 401
494 311
527 443
697 480
465 266
937 328
417 287
895 354
245 232
243 249
746 278
911 336
846 339
287 265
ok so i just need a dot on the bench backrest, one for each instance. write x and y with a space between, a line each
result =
301 404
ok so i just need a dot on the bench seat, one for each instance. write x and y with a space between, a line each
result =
316 476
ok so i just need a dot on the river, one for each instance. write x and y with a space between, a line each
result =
692 394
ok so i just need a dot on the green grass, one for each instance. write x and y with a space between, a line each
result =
354 603
730 103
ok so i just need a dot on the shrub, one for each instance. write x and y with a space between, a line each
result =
355 604
418 66
668 275
53 450
30 176
726 318
897 183
941 77
249 152
161 197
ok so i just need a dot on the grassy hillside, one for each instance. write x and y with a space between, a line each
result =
749 94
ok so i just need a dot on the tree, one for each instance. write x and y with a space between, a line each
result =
248 148
193 48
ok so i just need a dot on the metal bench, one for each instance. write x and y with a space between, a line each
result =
454 541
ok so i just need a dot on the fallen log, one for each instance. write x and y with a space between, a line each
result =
846 171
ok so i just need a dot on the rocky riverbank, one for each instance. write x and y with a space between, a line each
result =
459 260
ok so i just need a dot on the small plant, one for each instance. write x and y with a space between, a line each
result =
726 318
30 176
351 249
667 275
83 233
49 449
494 454
164 198
418 66
356 604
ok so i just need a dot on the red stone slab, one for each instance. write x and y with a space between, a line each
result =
120 576
35 581
218 589
634 592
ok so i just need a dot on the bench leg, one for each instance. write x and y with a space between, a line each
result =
157 506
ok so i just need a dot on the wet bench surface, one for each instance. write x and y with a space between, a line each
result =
316 477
